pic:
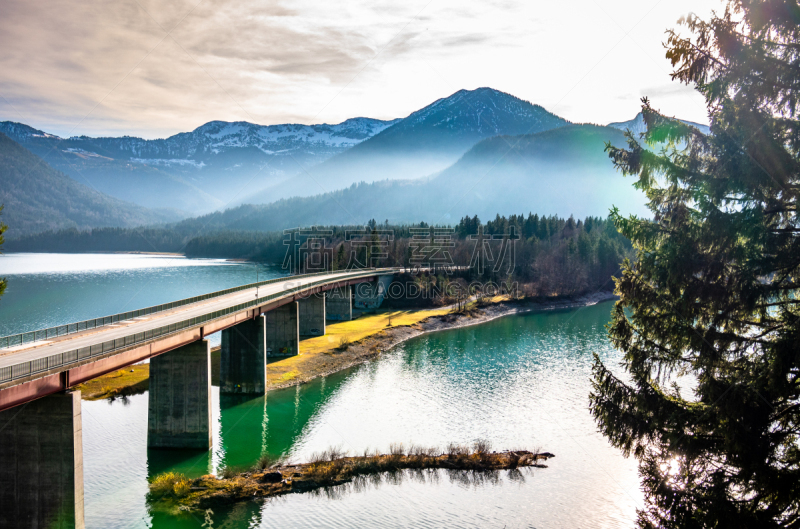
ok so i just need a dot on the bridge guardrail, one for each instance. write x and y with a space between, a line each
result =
71 328
47 363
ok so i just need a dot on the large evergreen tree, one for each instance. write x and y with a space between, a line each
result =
713 291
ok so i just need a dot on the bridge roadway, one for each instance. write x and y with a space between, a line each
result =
44 381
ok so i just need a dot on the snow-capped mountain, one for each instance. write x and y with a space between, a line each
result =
217 137
221 164
563 171
199 170
20 131
425 142
481 112
637 126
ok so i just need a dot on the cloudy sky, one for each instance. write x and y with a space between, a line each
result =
152 68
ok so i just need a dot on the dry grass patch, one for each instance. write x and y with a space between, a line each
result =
366 325
131 380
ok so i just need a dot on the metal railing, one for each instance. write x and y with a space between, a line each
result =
71 328
40 365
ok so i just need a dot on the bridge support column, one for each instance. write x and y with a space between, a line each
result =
339 304
41 464
283 336
370 295
179 414
243 358
312 315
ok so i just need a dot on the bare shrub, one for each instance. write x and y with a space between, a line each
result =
318 457
423 451
336 452
264 462
332 453
481 446
455 449
396 449
230 472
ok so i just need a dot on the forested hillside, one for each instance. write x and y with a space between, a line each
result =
551 256
39 198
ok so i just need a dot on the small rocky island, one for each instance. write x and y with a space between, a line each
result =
175 492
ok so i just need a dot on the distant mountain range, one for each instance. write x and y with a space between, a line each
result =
194 171
221 164
38 198
475 152
422 144
562 171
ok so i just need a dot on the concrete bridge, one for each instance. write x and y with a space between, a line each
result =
41 454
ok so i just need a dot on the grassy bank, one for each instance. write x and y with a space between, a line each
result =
175 493
341 346
346 344
129 381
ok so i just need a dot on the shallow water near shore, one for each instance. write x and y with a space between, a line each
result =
520 381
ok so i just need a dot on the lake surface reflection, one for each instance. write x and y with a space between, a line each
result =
520 382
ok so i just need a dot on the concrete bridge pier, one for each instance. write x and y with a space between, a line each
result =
339 304
283 336
243 358
41 464
179 413
311 311
370 295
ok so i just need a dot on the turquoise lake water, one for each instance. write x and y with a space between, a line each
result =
520 382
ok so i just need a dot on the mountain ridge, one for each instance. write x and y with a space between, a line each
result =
221 164
559 171
426 141
39 198
198 170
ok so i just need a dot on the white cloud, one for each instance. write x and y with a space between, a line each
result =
324 62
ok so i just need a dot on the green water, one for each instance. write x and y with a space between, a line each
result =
520 382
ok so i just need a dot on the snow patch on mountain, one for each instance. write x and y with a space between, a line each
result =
637 126
73 150
174 161
202 145
276 139
19 131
